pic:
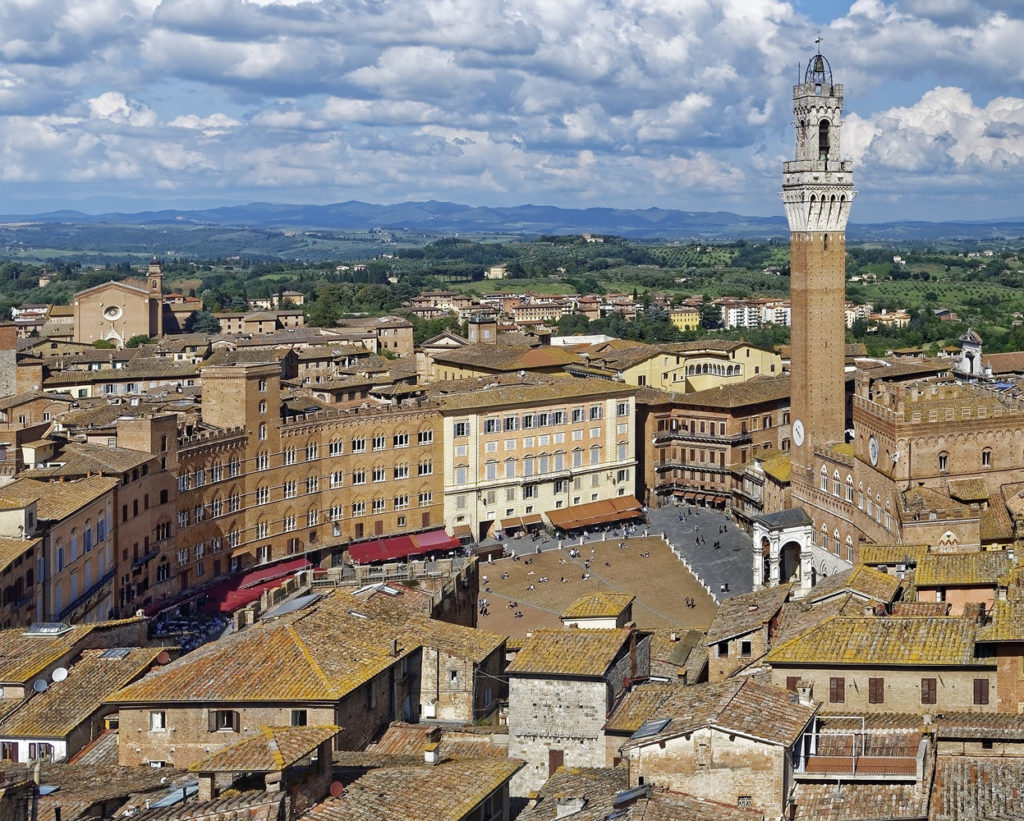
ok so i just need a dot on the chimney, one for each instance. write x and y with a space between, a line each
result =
394 647
431 754
804 690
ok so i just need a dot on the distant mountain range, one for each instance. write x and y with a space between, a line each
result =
448 217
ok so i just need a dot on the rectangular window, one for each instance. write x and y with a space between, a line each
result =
380 474
927 691
426 498
425 469
157 721
510 423
491 425
359 477
460 429
299 718
622 409
359 445
401 471
577 414
400 440
792 683
596 412
876 691
981 691
289 489
378 505
837 690
336 448
426 437
223 720
379 442
289 456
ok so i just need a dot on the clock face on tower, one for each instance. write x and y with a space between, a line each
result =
798 432
873 450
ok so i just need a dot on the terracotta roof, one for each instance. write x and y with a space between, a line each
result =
638 705
23 657
329 650
569 652
742 706
921 642
1006 624
743 614
66 704
402 740
891 554
503 357
977 787
82 787
55 502
606 795
866 582
598 605
475 394
13 549
968 490
323 663
443 792
953 569
817 801
920 608
271 749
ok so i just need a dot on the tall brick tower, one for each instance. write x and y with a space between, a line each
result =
817 189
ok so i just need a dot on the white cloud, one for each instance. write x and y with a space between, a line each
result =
117 108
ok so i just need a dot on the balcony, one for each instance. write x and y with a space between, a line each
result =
665 437
892 755
74 605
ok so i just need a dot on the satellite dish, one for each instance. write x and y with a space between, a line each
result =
59 674
40 685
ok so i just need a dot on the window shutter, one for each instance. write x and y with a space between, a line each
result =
792 682
981 691
212 717
876 690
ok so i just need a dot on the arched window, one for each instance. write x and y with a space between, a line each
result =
835 536
823 139
849 488
824 478
986 458
943 462
824 537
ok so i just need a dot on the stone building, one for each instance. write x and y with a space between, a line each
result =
922 664
562 687
737 742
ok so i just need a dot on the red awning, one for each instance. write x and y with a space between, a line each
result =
436 540
274 571
399 547
228 596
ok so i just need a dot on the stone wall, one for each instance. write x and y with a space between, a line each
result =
554 714
714 765
954 688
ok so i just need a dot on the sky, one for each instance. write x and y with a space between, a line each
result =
138 104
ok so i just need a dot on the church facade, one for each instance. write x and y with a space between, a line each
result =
117 311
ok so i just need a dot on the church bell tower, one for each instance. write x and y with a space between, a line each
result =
817 189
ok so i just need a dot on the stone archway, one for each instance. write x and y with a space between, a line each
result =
789 562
